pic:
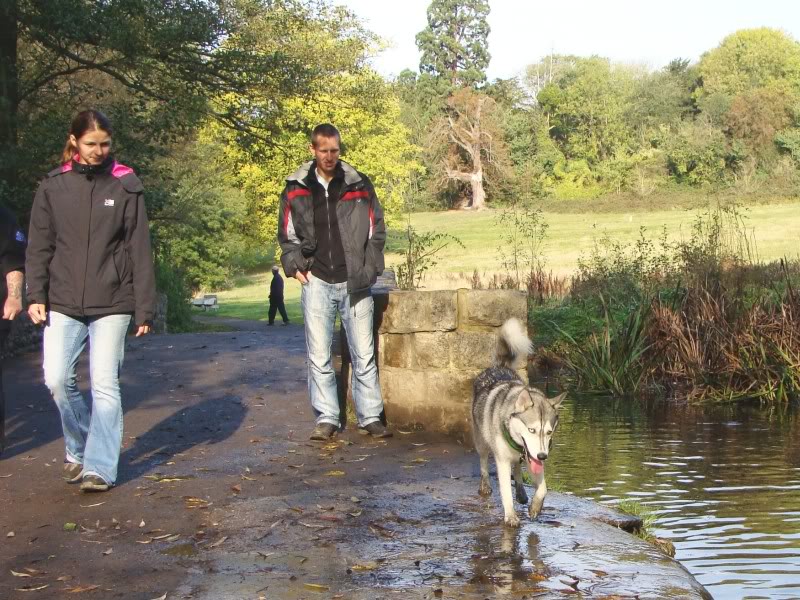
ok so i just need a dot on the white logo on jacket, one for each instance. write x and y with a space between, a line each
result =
108 202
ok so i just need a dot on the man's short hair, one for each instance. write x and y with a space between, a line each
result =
275 268
325 130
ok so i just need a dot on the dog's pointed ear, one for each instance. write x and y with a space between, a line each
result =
556 402
523 402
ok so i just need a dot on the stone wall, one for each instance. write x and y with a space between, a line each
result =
430 347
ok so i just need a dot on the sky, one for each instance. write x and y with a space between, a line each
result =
628 31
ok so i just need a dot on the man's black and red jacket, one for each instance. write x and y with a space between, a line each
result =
359 224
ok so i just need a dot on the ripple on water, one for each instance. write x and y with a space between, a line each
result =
722 484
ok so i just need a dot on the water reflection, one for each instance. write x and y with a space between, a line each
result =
723 483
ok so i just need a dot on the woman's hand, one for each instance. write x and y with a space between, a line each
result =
37 313
142 330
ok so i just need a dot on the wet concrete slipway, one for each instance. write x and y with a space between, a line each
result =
221 496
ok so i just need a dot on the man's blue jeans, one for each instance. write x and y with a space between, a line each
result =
92 431
321 301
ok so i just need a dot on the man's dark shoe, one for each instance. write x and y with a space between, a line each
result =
323 431
377 430
94 483
72 472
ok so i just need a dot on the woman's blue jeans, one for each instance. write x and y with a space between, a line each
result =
321 301
92 430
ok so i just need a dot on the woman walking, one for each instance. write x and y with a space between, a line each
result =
90 269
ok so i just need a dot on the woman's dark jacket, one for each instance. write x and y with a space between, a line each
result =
359 220
89 243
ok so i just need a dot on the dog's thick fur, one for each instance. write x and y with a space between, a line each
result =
501 401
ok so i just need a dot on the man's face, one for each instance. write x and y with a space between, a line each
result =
326 153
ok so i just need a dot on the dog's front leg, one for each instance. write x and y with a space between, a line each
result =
522 497
538 497
504 483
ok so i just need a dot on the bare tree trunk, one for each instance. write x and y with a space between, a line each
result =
478 193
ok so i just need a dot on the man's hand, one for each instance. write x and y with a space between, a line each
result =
37 313
142 330
13 304
302 277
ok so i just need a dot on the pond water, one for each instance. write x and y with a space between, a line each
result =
723 482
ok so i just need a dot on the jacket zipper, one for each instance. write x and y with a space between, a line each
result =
88 245
330 232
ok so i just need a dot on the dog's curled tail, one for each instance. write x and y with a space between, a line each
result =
513 346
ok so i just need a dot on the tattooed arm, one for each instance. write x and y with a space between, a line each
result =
13 304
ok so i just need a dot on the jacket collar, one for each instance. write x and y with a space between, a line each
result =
351 176
103 167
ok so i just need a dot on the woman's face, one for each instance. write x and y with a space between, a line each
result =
93 147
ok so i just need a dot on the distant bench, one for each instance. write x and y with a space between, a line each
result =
206 302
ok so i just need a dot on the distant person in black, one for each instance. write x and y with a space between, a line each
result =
12 263
276 297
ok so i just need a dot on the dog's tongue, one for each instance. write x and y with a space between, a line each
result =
536 466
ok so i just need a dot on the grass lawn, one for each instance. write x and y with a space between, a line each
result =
774 226
248 299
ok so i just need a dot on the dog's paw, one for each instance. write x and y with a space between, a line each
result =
511 520
485 489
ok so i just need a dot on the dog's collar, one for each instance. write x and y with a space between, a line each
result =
510 441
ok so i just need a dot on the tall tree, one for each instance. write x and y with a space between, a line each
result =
454 45
473 134
749 59
156 66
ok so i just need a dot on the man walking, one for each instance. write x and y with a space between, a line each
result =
276 297
331 232
12 263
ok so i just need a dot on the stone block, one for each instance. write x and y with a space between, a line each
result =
395 350
474 349
491 308
434 400
433 349
412 311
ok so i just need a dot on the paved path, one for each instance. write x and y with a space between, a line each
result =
221 496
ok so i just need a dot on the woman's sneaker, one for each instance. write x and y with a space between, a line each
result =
94 483
72 472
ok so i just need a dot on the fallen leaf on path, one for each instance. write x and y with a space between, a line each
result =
70 527
92 505
236 488
142 524
312 525
192 502
315 587
420 460
173 538
365 567
163 537
15 574
10 534
356 513
404 432
6 476
335 473
164 597
418 443
300 466
32 588
218 542
107 552
332 518
354 499
150 541
246 478
81 589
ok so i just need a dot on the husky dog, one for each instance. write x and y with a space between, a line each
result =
513 422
